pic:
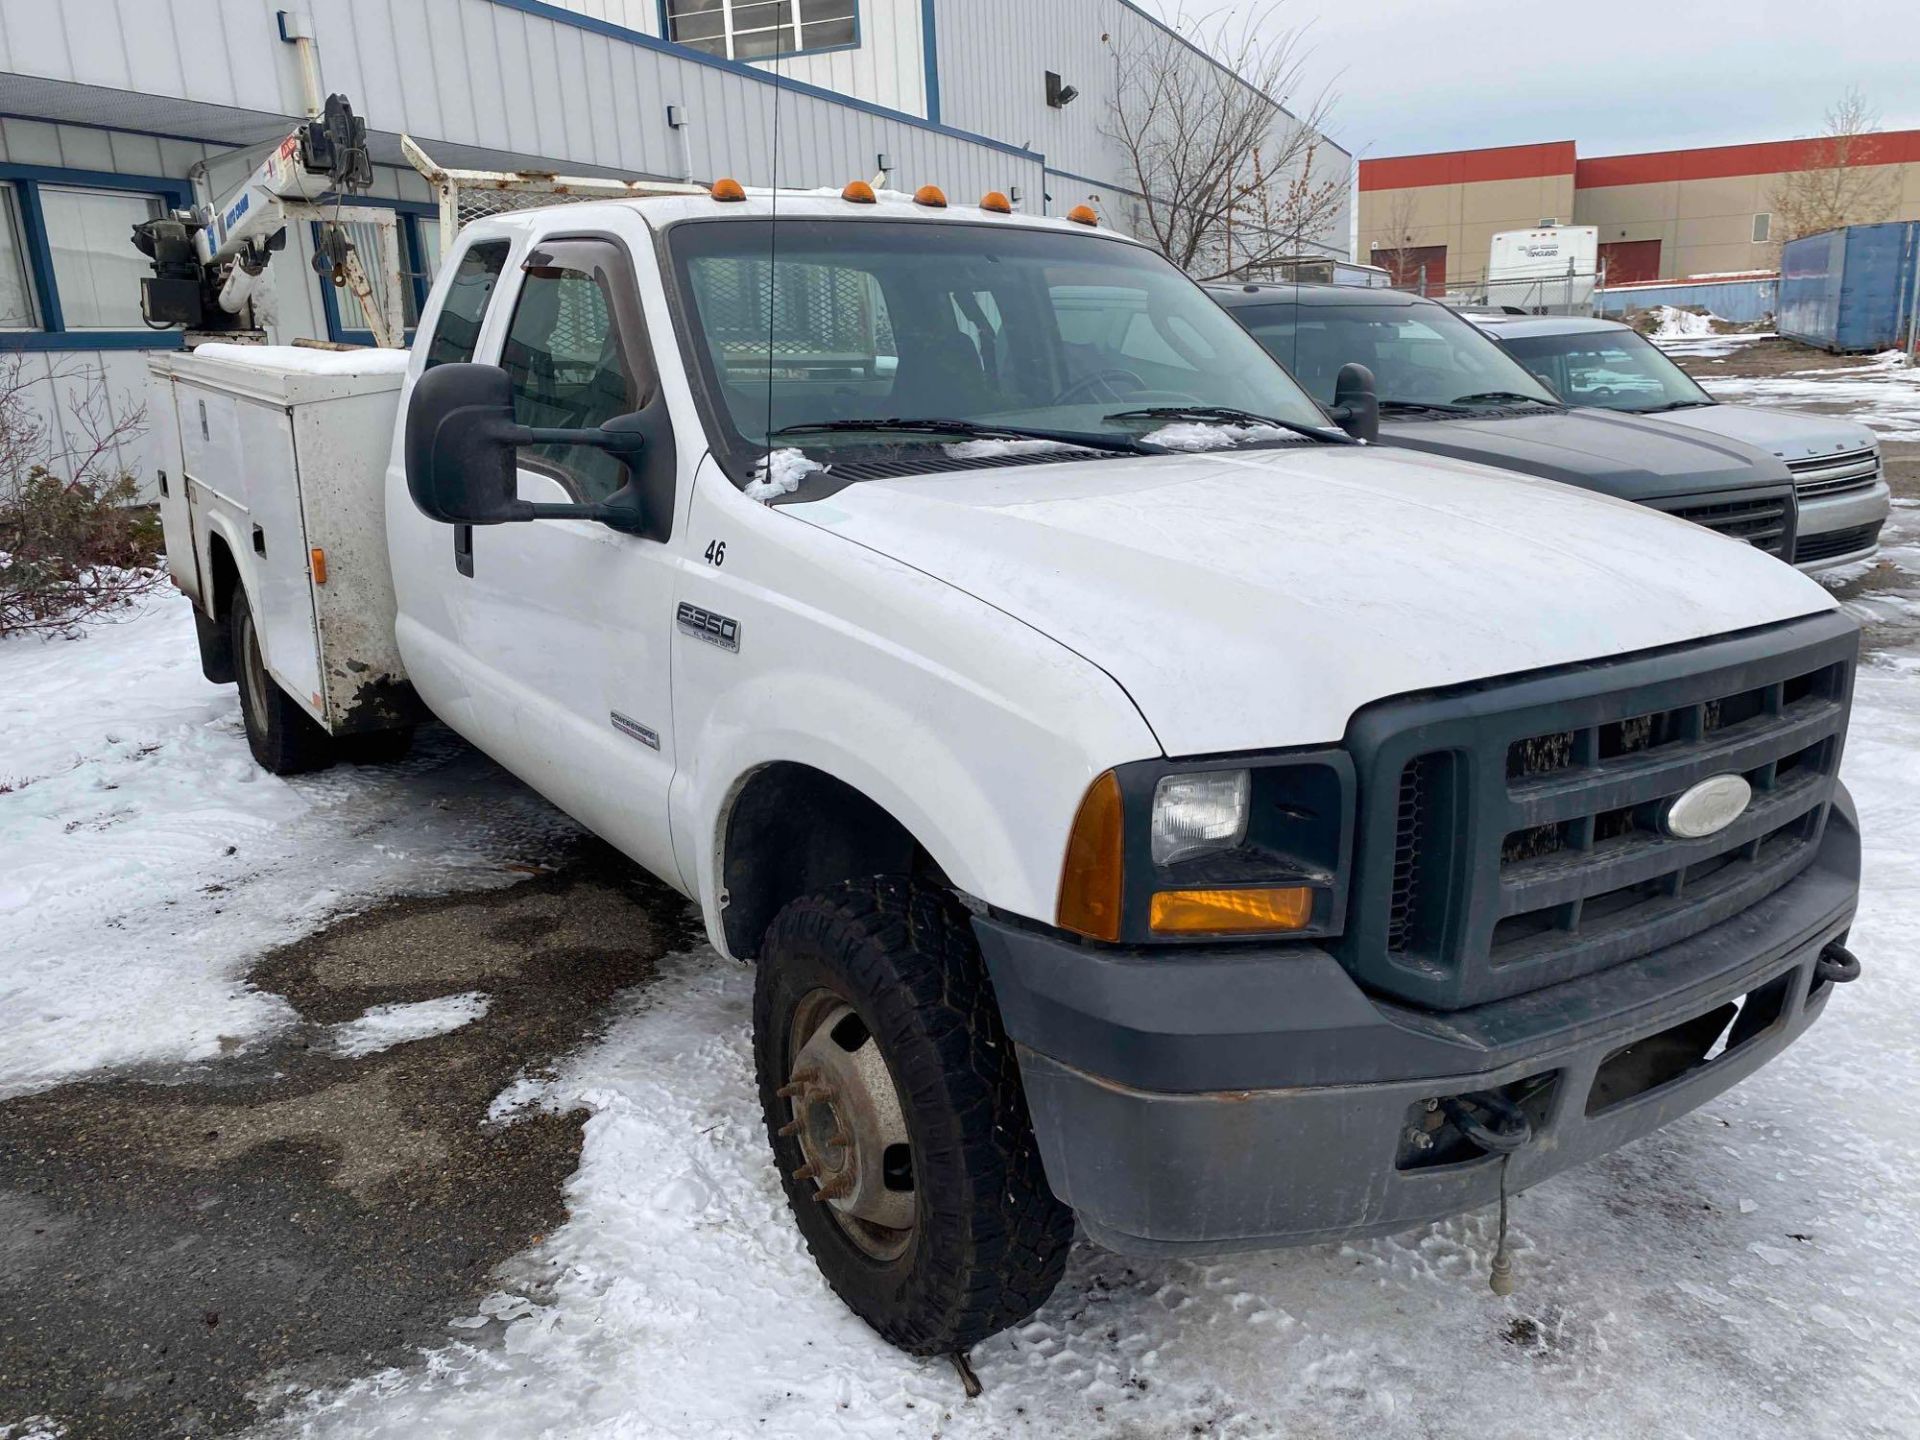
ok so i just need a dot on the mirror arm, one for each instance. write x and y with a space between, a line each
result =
620 442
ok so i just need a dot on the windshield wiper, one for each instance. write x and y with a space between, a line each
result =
1228 415
1675 405
1500 395
969 430
1434 405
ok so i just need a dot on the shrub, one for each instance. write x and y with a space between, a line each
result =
74 544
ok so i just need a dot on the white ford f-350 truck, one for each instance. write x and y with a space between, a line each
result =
1143 802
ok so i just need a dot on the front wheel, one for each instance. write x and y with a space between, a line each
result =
283 737
894 1108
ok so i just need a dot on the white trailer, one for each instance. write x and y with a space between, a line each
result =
1548 270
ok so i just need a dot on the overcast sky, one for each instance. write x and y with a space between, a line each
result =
1615 76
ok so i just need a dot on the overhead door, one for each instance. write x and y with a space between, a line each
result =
1627 262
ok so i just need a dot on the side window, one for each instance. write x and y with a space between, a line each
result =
569 368
456 334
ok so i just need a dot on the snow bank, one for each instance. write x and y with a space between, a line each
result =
1674 323
385 1026
305 360
780 473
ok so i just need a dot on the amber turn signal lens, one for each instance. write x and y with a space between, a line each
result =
1230 912
317 562
728 190
1090 879
1083 215
859 192
993 200
932 196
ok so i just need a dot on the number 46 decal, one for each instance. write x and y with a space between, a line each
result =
716 552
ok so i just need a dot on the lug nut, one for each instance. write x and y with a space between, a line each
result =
792 1127
805 1172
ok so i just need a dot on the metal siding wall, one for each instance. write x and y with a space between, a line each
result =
982 90
1743 301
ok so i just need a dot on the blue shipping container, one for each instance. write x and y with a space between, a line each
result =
1851 289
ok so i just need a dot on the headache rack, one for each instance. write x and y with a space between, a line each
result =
1509 833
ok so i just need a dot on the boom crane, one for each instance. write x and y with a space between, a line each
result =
208 260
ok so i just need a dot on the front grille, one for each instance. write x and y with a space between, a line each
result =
1766 522
1510 833
1835 542
1835 474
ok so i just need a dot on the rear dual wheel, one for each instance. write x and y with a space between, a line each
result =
893 1105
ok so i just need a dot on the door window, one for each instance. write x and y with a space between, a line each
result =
569 367
456 334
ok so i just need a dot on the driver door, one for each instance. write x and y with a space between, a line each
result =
567 623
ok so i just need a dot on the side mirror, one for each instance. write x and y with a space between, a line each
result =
1356 406
460 452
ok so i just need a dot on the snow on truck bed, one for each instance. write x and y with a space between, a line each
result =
306 360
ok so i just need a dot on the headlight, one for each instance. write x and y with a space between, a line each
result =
1199 850
1193 814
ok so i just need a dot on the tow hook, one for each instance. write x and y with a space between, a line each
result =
1497 1125
1836 964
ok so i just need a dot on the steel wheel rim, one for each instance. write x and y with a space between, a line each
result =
254 669
844 1110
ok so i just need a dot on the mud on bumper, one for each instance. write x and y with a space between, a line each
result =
1256 1098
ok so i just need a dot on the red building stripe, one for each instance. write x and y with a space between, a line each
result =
1466 167
1774 157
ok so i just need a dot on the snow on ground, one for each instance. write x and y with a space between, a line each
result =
1882 392
1746 1271
145 860
385 1026
1715 347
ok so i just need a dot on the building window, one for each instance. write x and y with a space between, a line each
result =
419 238
17 310
761 29
96 270
1762 227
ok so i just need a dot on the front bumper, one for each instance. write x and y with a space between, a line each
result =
1249 1098
1861 511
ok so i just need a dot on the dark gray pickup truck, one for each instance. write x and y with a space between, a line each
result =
1446 388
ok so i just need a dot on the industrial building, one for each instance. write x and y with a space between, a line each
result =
1663 215
111 110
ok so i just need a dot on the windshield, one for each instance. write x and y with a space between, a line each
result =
1613 368
1419 354
1004 329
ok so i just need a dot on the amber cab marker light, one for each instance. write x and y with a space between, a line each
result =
859 192
1083 215
931 196
1090 878
728 189
993 200
317 559
1231 912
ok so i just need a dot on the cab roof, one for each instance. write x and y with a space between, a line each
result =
1546 324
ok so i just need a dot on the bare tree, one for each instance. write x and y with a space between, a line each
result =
1393 247
1846 183
1233 183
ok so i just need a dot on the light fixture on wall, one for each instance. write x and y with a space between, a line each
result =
1059 94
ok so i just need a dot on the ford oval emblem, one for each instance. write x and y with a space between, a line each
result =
1707 808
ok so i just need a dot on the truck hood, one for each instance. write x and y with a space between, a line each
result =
1633 457
1258 599
1789 434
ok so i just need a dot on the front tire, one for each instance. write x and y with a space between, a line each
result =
283 737
875 1027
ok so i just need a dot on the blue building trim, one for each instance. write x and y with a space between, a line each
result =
930 49
53 333
735 67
